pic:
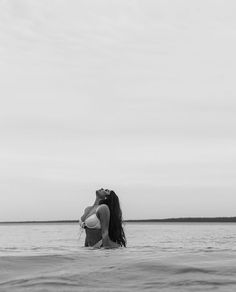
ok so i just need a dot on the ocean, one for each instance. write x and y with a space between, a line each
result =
159 257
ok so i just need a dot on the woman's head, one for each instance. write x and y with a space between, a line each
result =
102 193
116 231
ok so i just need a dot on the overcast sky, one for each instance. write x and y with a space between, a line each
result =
136 96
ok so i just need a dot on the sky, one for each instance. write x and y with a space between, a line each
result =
134 96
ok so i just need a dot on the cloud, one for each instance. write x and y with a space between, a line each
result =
128 94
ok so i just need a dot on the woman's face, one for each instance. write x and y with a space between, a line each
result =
102 194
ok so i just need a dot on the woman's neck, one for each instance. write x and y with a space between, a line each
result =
96 203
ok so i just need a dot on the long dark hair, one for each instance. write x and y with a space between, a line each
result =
116 231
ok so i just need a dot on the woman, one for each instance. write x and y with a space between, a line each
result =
103 221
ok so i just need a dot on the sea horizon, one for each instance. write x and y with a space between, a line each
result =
170 220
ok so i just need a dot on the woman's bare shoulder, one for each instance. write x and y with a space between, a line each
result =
103 208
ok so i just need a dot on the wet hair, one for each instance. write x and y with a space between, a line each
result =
116 231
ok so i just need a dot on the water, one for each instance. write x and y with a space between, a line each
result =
159 257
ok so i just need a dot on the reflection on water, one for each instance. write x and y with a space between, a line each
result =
163 256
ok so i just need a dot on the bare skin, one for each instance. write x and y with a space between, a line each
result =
93 236
103 214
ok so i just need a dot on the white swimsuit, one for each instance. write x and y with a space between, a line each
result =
93 222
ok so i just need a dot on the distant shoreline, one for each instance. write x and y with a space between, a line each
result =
170 220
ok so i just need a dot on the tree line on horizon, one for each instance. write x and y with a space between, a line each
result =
182 219
188 219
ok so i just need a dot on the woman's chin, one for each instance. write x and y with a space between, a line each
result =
100 195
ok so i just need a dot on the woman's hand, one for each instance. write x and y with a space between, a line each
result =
82 224
112 244
107 242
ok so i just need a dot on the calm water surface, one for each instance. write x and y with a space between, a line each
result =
160 256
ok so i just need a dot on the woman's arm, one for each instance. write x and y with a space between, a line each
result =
86 211
103 214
